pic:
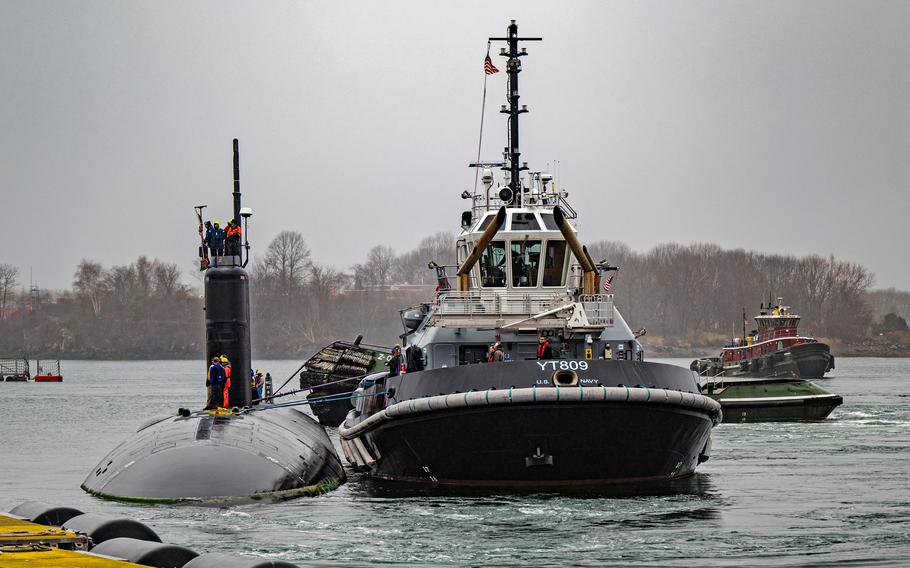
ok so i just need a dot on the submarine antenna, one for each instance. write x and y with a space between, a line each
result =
236 180
513 67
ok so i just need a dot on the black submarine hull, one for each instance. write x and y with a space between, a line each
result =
218 457
524 424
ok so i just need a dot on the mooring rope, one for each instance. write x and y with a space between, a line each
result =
318 400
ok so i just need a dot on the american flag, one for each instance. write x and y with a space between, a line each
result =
608 284
488 66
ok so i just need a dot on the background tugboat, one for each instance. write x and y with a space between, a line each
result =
569 402
774 349
222 455
761 377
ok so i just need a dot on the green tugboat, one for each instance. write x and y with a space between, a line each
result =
769 399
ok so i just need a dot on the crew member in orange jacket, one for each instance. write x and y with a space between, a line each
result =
227 379
232 237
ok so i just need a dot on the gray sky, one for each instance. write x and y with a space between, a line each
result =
779 126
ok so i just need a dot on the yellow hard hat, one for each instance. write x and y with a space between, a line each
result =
258 372
224 359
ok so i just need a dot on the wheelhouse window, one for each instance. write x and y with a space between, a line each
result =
493 265
525 263
524 222
485 223
549 222
555 264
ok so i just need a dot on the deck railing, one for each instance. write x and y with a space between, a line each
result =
489 302
598 307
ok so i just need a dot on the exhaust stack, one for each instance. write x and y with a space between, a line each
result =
590 277
464 272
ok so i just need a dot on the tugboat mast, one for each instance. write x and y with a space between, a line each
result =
513 67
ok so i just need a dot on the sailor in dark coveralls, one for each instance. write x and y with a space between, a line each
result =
215 384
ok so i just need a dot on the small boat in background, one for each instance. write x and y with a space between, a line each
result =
14 369
48 372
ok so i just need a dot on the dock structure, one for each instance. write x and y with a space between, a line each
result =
25 544
15 531
35 555
101 542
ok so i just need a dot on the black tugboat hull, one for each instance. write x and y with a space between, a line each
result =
813 360
805 361
808 409
557 445
519 425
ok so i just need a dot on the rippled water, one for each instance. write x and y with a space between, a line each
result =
818 494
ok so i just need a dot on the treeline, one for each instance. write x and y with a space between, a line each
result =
689 293
683 295
139 310
144 310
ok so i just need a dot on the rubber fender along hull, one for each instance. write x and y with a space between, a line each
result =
540 445
274 453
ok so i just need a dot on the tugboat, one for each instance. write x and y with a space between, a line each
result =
770 399
569 401
775 349
331 375
222 455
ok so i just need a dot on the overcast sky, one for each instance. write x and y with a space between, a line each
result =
779 126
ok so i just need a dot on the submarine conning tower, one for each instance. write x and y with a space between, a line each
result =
227 306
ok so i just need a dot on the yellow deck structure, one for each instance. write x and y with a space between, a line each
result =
27 544
22 557
15 531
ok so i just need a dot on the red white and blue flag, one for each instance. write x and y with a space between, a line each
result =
488 66
608 284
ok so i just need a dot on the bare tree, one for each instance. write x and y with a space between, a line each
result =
88 282
285 262
166 279
377 270
9 279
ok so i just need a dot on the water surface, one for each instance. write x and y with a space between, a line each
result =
828 493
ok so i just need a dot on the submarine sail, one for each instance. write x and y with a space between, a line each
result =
228 451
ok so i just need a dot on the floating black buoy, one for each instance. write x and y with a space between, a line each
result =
101 528
45 513
157 554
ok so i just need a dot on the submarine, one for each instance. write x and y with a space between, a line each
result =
215 455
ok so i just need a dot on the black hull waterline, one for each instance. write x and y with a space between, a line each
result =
534 434
784 409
